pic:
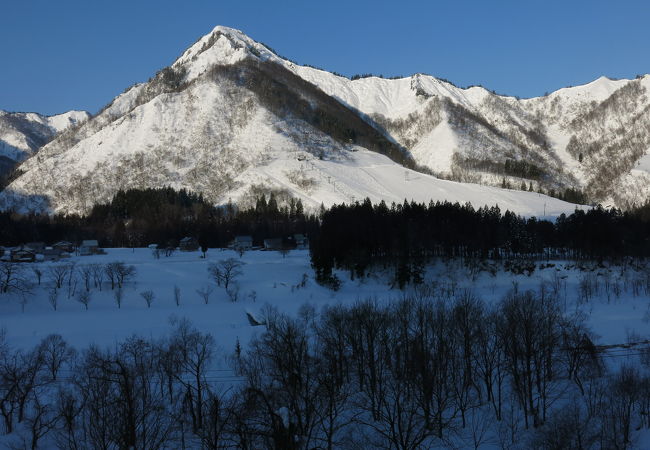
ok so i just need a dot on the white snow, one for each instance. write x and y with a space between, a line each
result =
16 142
643 164
275 280
212 131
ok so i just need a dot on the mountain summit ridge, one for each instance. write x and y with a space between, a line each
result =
229 117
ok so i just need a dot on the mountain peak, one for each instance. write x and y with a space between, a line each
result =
222 46
234 131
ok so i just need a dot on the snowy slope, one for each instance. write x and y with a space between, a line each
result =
478 130
490 129
22 134
230 116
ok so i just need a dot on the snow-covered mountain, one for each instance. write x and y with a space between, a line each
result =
22 134
591 138
230 118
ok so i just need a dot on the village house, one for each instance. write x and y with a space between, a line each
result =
89 247
36 247
242 243
64 246
273 244
189 244
23 255
51 254
301 241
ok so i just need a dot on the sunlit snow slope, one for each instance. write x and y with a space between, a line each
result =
22 134
230 118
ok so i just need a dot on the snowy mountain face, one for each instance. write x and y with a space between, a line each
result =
592 137
22 134
230 119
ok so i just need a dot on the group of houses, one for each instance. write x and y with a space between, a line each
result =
38 251
296 241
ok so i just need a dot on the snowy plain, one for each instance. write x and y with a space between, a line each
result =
271 279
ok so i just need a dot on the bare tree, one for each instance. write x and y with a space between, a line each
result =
98 275
70 410
225 271
12 278
233 292
617 414
38 272
56 353
148 297
41 419
118 294
531 333
219 415
86 272
177 295
84 298
205 293
57 274
53 298
569 427
21 375
71 273
192 352
125 400
119 273
72 286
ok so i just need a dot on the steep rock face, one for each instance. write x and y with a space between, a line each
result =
230 118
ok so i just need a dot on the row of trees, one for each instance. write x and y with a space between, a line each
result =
66 279
141 217
431 369
362 236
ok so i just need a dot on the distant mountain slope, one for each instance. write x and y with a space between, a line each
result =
586 137
230 118
22 134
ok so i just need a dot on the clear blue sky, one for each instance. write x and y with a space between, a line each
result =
71 54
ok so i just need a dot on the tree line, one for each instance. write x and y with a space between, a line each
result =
361 236
137 218
349 236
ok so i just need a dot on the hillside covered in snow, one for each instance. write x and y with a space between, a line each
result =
230 117
22 134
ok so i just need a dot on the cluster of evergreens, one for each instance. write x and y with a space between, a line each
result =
354 237
405 236
137 218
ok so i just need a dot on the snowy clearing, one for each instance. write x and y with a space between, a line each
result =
268 278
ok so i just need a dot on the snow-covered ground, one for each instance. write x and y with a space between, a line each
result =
270 279
644 163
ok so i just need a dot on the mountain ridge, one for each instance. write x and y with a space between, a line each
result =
23 133
229 106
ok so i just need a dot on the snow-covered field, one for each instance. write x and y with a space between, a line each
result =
268 278
616 309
